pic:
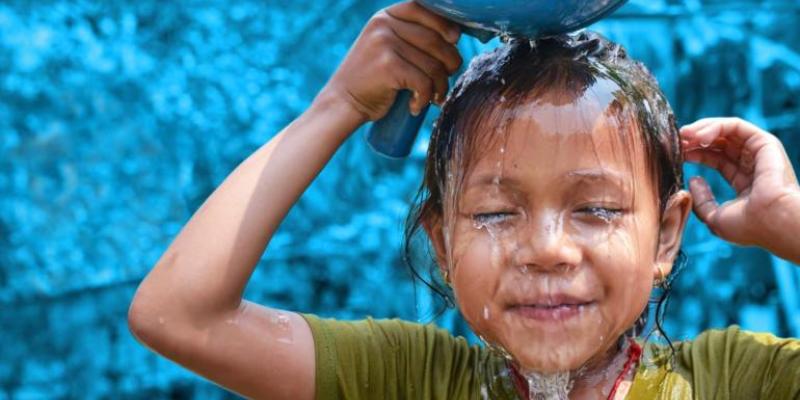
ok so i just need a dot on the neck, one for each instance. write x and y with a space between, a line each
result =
598 379
595 380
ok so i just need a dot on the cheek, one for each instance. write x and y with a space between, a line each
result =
624 264
475 274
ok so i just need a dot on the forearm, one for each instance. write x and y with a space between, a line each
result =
207 266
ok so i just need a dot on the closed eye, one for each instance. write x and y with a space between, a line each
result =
491 218
606 214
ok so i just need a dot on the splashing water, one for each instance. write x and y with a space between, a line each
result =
554 386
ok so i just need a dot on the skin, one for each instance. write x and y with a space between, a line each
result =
530 225
190 308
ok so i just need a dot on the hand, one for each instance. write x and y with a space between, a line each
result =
755 163
404 46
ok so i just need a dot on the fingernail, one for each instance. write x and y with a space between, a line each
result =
414 111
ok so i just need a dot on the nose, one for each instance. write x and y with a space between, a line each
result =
546 244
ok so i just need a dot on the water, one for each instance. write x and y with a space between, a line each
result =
549 386
280 327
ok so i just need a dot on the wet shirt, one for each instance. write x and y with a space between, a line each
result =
395 359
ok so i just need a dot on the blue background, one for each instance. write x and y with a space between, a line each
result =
117 119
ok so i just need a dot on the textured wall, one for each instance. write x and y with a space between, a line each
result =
117 119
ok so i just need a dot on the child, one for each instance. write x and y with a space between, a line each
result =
553 201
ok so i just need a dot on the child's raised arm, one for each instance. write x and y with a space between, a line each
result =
189 308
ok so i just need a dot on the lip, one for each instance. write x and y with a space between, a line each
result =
555 313
551 308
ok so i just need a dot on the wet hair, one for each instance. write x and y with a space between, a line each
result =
522 70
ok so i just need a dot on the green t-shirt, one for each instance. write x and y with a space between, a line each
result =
395 359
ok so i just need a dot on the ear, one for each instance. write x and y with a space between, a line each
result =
433 227
670 232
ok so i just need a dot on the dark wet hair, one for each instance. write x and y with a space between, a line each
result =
523 70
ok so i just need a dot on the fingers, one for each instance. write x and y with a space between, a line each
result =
707 130
410 11
410 76
431 67
752 148
423 40
430 42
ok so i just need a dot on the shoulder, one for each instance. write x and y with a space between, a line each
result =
393 358
391 333
737 361
736 342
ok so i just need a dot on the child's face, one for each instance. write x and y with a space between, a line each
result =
555 245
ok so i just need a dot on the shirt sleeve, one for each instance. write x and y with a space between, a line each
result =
737 364
391 359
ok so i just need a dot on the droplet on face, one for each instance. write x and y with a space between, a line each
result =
486 312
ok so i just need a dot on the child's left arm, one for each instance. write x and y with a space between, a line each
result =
766 211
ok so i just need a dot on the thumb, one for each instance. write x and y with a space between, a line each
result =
703 201
704 204
727 220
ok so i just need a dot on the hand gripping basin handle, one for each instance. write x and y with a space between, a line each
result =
394 134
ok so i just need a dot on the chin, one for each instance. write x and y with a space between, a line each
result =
549 358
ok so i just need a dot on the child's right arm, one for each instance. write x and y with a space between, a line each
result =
189 308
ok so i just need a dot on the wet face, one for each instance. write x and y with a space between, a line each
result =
554 246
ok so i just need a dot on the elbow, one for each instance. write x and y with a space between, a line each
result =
138 320
144 320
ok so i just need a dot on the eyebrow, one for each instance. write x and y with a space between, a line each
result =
592 176
596 175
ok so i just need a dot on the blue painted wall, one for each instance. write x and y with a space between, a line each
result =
117 119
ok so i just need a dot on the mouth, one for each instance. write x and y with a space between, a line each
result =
552 308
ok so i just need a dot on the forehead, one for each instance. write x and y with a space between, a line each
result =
555 137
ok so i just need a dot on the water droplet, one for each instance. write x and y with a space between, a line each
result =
485 312
280 327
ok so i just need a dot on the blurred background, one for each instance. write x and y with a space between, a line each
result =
117 119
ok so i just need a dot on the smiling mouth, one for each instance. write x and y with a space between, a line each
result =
552 312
